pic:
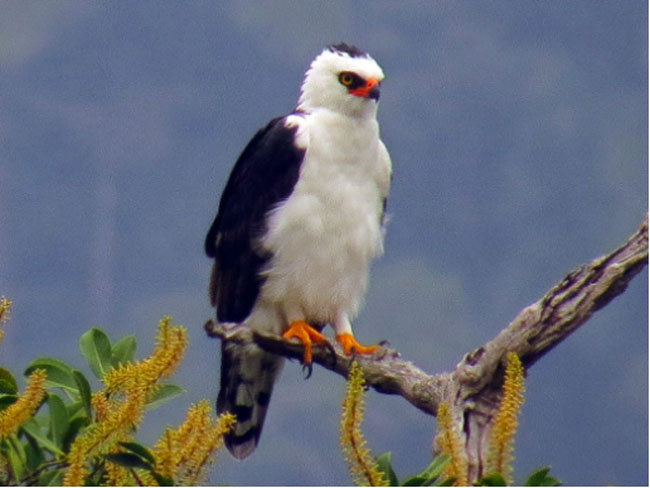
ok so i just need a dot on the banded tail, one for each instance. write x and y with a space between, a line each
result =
247 377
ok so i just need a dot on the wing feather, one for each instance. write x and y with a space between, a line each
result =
264 175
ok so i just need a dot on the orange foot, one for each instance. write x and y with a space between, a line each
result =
349 343
307 335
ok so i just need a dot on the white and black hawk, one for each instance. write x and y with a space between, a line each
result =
299 221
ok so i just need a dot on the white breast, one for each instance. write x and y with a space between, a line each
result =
324 236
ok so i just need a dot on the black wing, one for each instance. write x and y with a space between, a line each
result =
264 175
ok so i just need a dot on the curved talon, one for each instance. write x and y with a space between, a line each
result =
349 343
307 369
306 334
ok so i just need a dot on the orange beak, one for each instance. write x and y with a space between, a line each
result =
370 90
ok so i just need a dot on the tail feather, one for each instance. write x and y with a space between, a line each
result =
247 377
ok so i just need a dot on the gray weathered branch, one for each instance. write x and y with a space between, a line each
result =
474 387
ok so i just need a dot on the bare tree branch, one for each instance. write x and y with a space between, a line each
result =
385 370
473 388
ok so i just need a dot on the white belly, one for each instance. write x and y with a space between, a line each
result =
325 235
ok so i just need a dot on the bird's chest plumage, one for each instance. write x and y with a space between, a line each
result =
324 235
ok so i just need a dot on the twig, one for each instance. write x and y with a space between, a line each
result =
32 477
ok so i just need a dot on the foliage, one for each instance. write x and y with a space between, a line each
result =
539 477
432 475
364 468
86 437
58 431
450 466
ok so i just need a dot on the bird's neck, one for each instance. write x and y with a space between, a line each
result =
365 110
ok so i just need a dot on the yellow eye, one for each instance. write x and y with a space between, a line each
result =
346 78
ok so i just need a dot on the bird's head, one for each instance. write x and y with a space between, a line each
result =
343 79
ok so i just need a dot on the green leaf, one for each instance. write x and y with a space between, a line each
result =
76 424
7 382
435 469
162 480
75 408
97 477
541 477
7 388
493 479
6 400
429 475
84 390
551 481
17 457
416 480
58 373
536 477
384 465
59 421
447 482
123 351
96 348
31 428
163 395
53 477
139 450
34 454
128 460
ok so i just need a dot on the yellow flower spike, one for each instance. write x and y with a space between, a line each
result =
101 405
144 478
22 409
450 442
502 439
117 475
195 431
167 355
101 437
182 454
77 471
165 454
121 378
170 348
205 448
5 309
216 433
120 406
361 464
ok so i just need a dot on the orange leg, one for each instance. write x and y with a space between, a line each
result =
349 343
307 335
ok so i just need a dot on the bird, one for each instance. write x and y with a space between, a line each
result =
300 219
